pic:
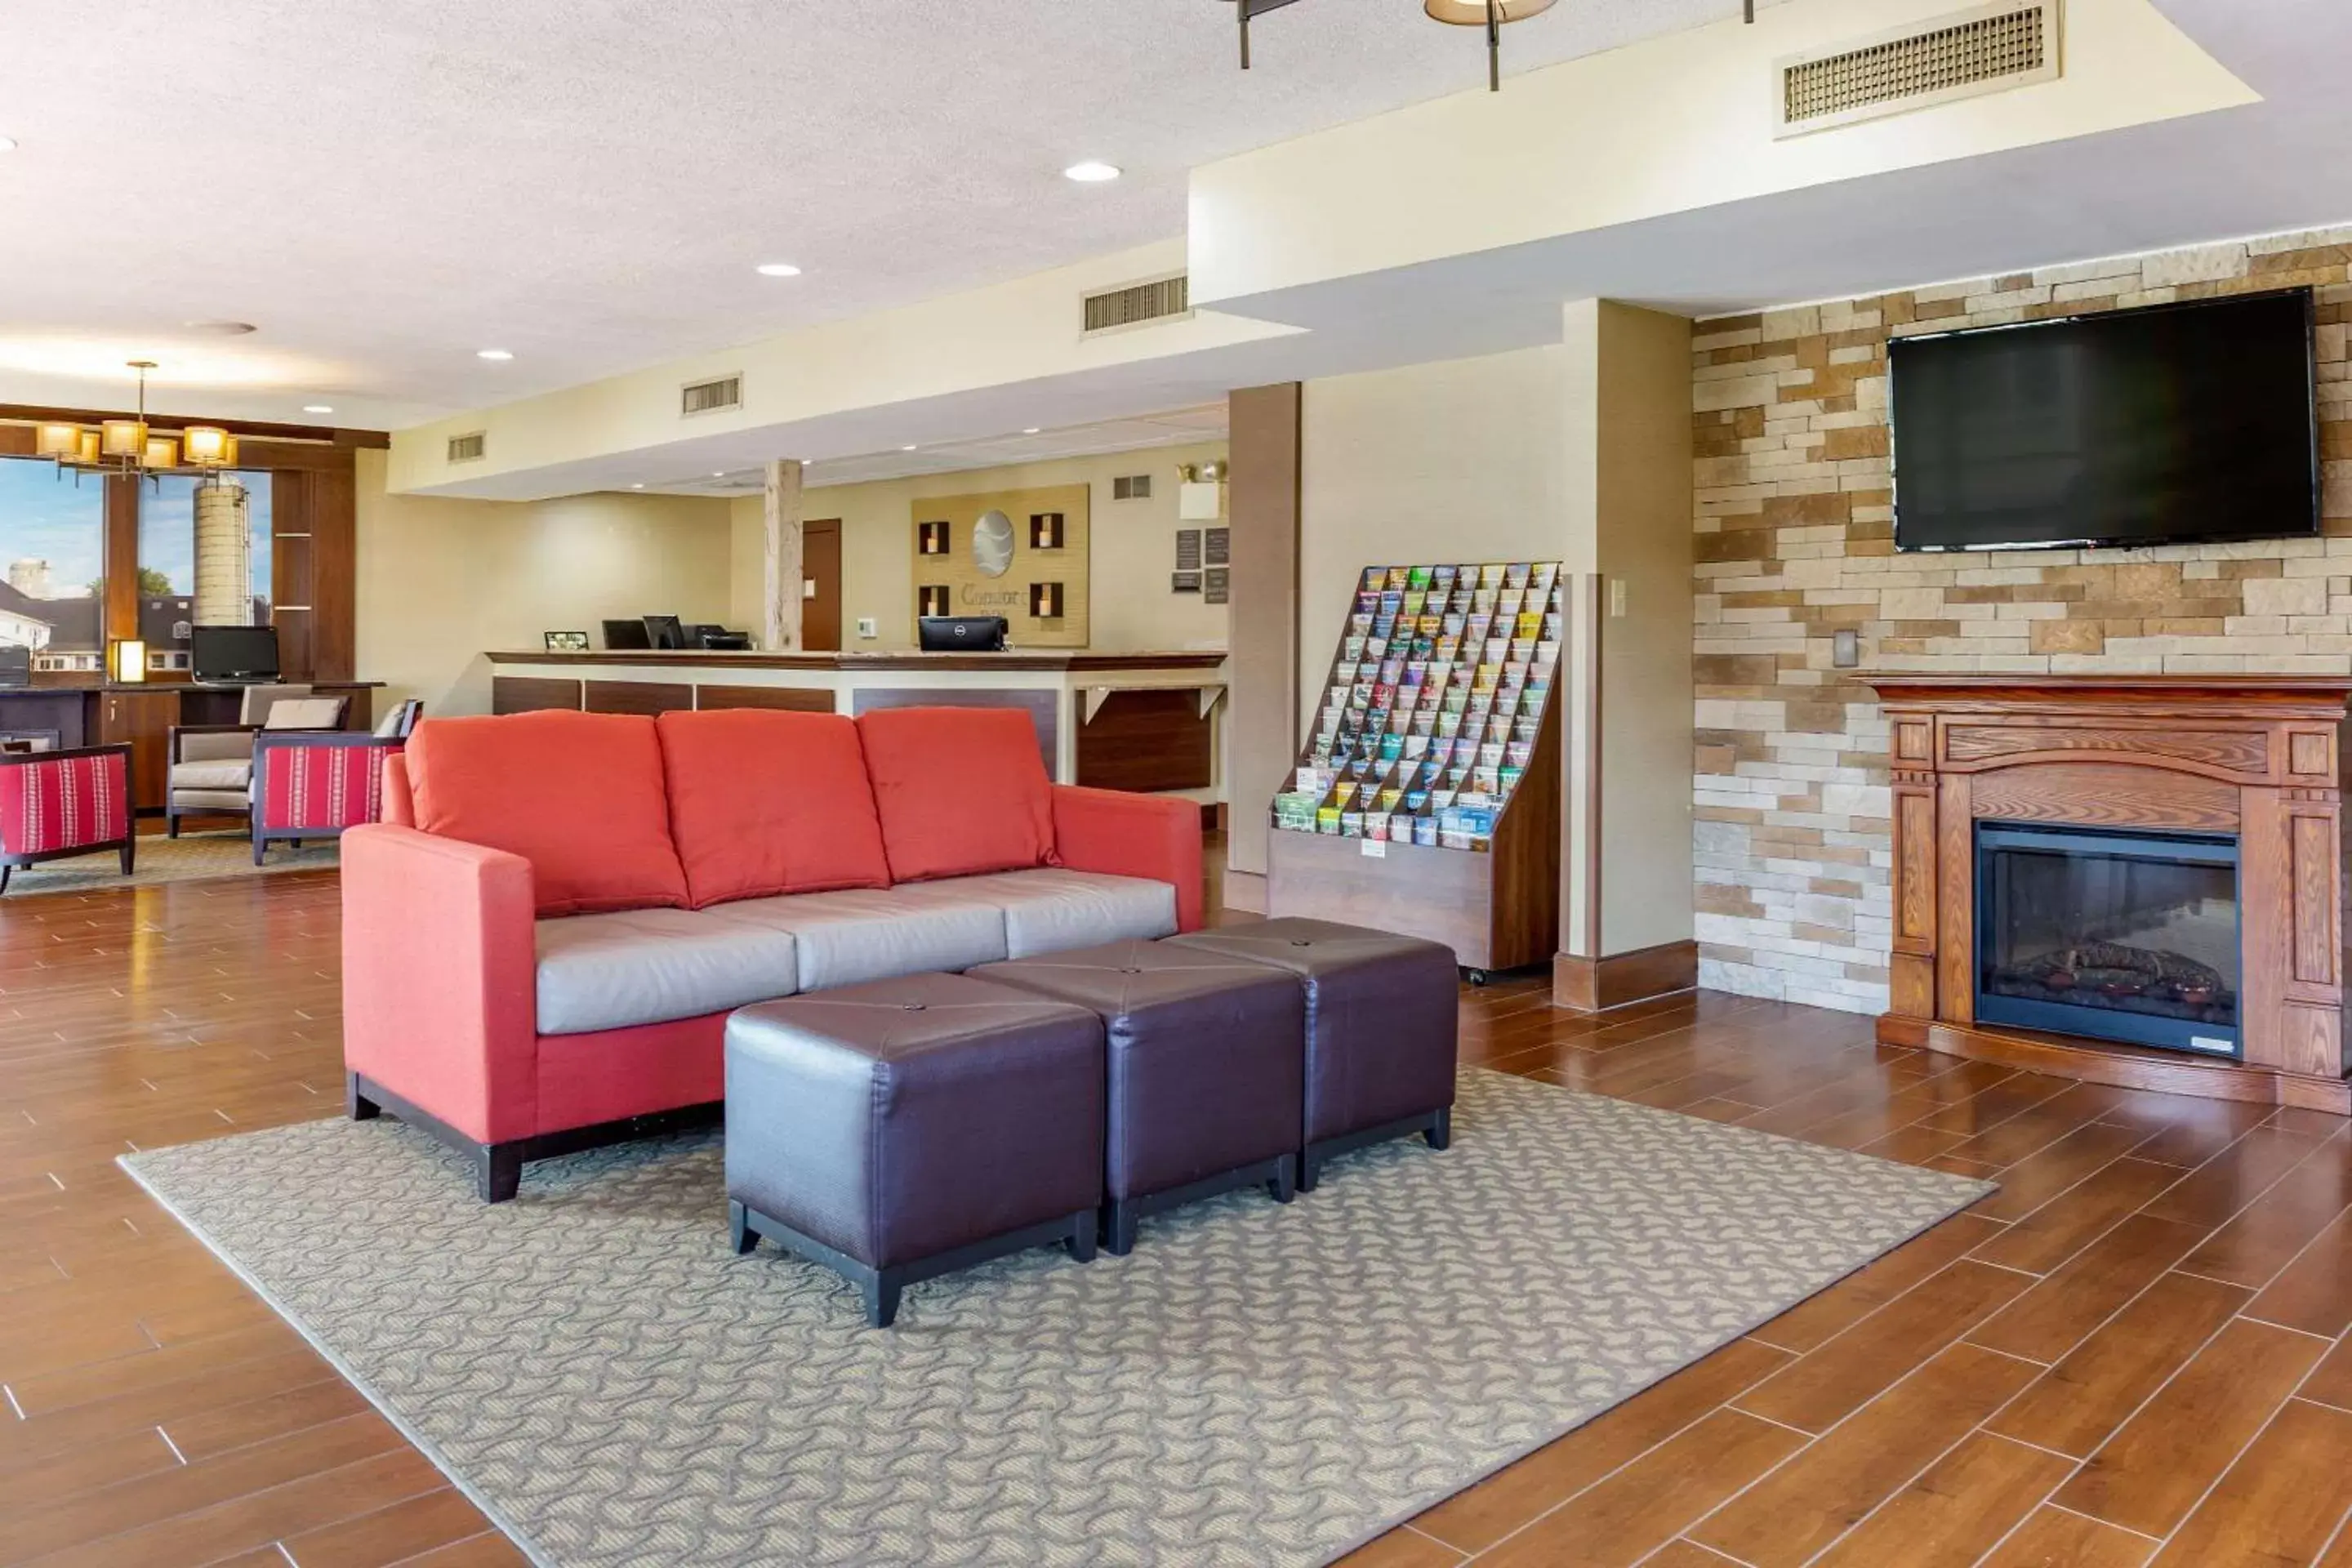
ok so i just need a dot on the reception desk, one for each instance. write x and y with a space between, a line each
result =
1114 720
66 710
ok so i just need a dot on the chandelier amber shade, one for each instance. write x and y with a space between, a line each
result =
1472 13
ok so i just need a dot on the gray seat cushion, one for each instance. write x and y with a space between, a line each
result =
650 966
862 935
222 775
1055 910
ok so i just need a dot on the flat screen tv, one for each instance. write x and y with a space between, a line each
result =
2170 424
233 653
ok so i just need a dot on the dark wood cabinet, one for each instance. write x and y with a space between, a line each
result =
142 719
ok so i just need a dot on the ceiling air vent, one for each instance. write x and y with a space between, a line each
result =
710 396
1159 299
1132 487
1987 48
468 448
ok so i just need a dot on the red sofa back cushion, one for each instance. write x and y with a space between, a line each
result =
960 790
765 802
578 796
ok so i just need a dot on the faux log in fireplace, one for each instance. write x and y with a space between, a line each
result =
2136 880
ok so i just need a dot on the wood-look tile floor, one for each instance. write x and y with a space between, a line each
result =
2134 1353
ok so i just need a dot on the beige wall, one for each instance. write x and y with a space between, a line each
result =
1134 550
1460 460
1639 420
442 582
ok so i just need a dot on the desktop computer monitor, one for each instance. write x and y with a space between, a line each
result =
665 631
233 653
963 633
626 635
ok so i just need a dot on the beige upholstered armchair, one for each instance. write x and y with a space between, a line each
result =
212 764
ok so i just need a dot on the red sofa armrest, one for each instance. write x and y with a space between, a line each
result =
1154 835
440 978
399 796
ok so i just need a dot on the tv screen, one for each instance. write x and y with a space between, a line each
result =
2163 425
233 653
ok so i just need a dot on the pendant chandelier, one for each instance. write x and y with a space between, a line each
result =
1491 15
128 447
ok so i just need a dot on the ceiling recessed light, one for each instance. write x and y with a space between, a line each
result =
717 473
905 448
1033 429
777 269
493 353
318 408
640 485
7 143
1093 171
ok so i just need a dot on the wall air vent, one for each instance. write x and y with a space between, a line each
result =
468 448
1132 487
1987 48
1158 299
710 396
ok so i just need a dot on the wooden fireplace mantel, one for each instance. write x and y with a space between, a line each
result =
2257 756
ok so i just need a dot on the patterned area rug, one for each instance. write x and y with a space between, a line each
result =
1254 1385
191 858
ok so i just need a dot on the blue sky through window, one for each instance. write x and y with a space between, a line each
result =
45 516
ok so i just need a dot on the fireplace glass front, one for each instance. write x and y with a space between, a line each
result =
2120 936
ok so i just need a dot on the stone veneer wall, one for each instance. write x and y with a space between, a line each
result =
1796 540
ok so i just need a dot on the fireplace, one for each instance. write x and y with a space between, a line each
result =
2136 879
2117 935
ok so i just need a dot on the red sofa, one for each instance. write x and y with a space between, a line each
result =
543 937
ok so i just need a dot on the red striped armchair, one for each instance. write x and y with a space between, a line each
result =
56 804
313 784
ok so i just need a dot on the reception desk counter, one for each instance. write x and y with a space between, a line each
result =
1115 720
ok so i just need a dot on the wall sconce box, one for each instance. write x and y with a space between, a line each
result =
1046 601
1203 502
129 660
931 539
932 599
1047 531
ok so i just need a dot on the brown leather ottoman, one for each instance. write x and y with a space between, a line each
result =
898 1131
1379 1029
1204 1075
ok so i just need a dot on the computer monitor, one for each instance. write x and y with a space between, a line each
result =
963 633
665 631
626 635
233 653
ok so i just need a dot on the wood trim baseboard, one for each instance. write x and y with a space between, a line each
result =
1599 984
2123 1066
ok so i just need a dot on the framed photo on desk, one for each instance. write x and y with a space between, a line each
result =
567 642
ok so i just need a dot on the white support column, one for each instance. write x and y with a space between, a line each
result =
783 597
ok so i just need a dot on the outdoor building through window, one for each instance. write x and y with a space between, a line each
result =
204 559
53 552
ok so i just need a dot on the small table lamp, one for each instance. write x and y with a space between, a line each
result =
129 660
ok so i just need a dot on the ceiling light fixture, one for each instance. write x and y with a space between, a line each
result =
493 354
1491 15
905 448
1033 429
777 269
7 143
318 408
638 486
128 447
1092 171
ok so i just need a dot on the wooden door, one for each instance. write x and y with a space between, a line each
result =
145 720
821 586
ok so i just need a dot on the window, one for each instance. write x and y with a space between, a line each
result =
53 544
172 600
